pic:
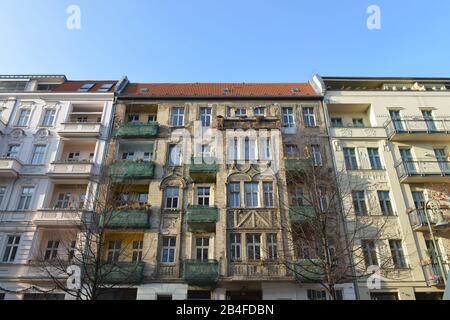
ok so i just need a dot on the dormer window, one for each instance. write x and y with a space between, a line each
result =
105 87
86 87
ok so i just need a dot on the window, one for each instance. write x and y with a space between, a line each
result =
240 112
38 155
47 86
266 149
397 253
63 200
206 116
288 117
172 195
375 296
292 151
309 118
49 117
336 123
164 297
128 156
133 118
142 198
25 198
2 194
268 194
138 247
370 252
323 200
114 248
317 295
429 121
385 203
358 123
105 87
71 255
202 248
374 158
251 195
350 159
175 155
316 155
73 157
259 111
297 195
168 250
249 149
51 252
12 246
82 119
12 86
253 246
235 247
233 149
234 195
13 151
397 120
23 118
359 203
272 246
86 87
177 117
152 118
203 196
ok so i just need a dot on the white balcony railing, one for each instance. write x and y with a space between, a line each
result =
9 167
80 129
59 217
71 169
354 132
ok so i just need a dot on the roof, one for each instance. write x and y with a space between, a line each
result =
33 76
73 86
218 90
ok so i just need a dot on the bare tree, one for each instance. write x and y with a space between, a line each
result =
326 234
97 243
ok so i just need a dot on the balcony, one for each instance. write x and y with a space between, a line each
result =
71 169
418 129
358 133
80 129
201 272
128 170
308 271
9 168
123 272
202 172
424 171
296 165
59 217
419 221
246 123
256 270
126 219
202 219
433 274
301 214
137 130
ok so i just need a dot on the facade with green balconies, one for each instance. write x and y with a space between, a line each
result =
201 171
204 273
126 218
137 130
301 214
123 272
308 271
296 165
128 170
201 218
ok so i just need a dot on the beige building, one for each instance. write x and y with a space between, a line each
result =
217 227
391 136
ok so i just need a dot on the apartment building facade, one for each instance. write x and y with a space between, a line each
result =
210 162
54 135
390 136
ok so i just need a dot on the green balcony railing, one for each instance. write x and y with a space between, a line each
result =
126 170
140 130
202 218
123 272
301 214
202 171
296 165
130 218
201 272
308 271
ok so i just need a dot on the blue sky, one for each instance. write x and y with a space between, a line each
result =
221 41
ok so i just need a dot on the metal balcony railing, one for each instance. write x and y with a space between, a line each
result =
201 272
137 130
126 170
417 126
408 168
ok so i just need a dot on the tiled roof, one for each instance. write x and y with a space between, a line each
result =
218 90
73 86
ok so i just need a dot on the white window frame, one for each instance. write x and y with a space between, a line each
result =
288 117
206 116
249 195
174 198
202 248
38 159
235 247
10 256
24 118
177 117
25 199
309 118
170 249
45 119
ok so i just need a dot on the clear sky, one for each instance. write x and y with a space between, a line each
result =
225 41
